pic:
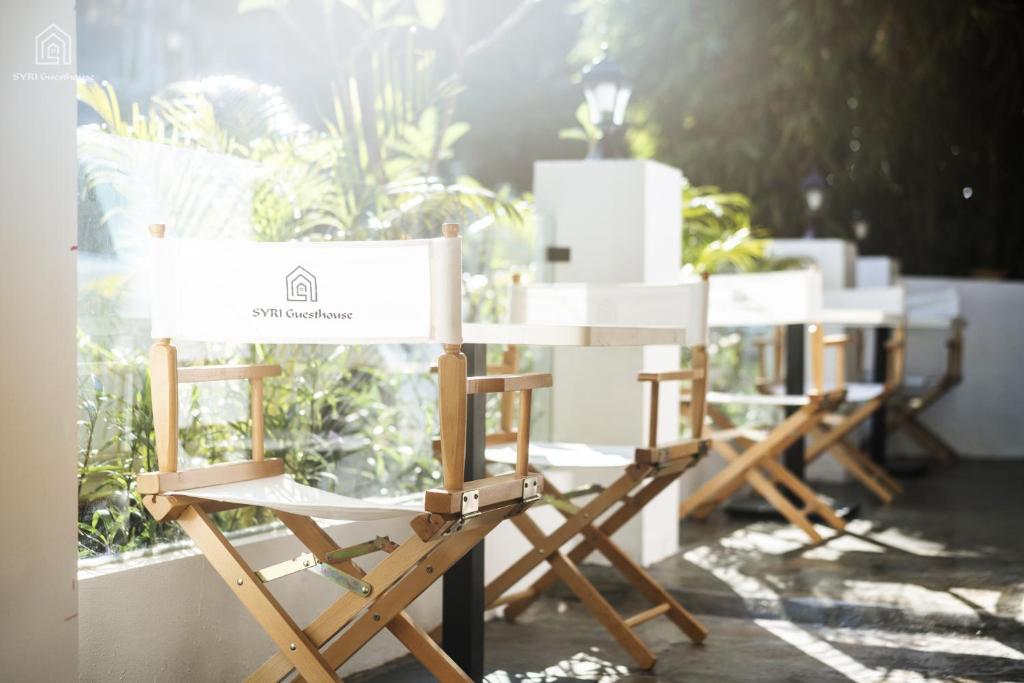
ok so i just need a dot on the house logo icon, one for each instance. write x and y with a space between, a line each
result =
53 46
301 285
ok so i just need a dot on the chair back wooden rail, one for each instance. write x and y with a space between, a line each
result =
955 349
895 350
820 344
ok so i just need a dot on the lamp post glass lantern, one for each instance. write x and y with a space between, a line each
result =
813 187
607 90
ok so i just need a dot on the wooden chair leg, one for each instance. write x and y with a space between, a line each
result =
429 653
615 521
415 639
930 441
812 503
767 486
721 422
291 641
387 606
342 611
570 574
863 468
780 438
703 510
641 579
851 422
569 529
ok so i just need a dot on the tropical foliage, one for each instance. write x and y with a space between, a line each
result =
911 110
351 419
717 235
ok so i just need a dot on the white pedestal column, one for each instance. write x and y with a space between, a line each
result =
876 271
620 221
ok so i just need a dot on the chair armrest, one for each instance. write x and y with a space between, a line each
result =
670 376
216 373
499 384
835 339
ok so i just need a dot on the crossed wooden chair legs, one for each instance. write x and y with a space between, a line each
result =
407 571
832 434
905 412
757 465
905 416
855 461
631 492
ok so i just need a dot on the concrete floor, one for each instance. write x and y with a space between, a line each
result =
928 588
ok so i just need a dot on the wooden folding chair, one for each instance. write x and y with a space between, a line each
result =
874 306
345 293
758 300
858 463
931 310
646 470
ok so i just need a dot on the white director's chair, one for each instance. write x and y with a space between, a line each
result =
931 311
859 308
770 300
603 315
323 293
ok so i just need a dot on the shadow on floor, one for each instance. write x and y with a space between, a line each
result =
930 587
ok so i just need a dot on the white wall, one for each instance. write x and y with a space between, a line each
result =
172 618
982 416
38 224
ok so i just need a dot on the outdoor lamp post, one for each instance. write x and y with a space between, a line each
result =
607 89
860 225
813 186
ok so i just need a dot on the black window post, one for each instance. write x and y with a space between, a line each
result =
793 458
462 609
877 436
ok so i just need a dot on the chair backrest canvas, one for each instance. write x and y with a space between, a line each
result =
866 305
835 258
787 297
681 306
405 291
936 306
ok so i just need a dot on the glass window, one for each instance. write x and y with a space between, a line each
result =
241 122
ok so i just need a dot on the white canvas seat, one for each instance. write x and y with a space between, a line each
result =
864 307
566 455
856 392
768 300
775 398
400 292
283 493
